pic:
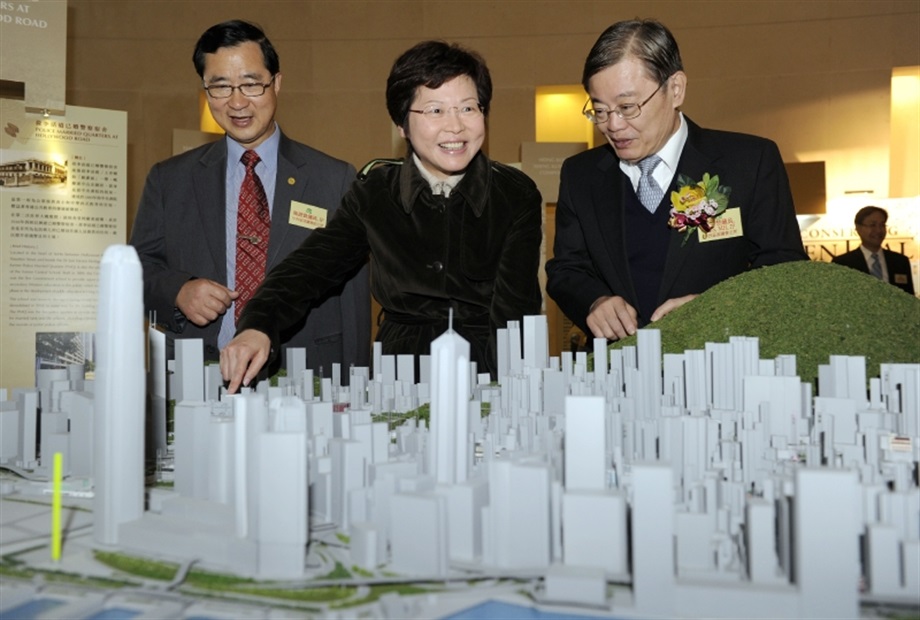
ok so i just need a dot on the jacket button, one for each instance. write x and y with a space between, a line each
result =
437 266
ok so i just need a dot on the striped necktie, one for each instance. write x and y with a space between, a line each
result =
876 266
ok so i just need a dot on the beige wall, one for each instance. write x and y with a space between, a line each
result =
812 75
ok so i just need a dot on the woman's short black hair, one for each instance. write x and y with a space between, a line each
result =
230 34
431 64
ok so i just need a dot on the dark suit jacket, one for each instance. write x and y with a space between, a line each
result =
180 234
898 267
590 258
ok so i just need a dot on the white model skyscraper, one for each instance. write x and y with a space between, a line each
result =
450 398
119 394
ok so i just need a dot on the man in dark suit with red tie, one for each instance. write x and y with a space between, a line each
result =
870 257
213 220
625 252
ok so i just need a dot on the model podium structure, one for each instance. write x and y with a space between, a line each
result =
711 483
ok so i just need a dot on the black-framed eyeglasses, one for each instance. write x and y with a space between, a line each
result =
626 111
250 89
438 113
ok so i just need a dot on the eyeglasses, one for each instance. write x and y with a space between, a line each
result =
626 111
436 113
225 91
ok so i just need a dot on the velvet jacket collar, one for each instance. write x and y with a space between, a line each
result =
474 188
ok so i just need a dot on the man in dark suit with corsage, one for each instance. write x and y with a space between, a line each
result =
870 257
666 209
213 220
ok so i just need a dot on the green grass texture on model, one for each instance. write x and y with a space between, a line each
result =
808 309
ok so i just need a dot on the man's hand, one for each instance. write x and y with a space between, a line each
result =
669 305
612 318
243 358
202 301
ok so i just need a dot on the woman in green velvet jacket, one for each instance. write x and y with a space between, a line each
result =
445 228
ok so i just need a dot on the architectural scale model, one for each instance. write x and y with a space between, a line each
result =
711 483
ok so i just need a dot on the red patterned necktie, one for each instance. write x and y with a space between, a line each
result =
252 227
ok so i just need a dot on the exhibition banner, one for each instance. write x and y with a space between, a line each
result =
33 46
62 202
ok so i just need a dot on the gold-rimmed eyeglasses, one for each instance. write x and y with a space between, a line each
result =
626 111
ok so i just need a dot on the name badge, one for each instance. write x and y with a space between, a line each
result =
900 278
725 226
307 216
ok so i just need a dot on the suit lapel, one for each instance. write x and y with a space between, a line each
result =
210 194
610 214
891 263
291 184
693 164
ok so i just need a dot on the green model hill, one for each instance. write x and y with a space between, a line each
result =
810 309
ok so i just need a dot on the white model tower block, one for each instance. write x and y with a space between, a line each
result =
845 377
192 421
653 539
296 363
10 435
530 542
156 390
120 387
348 464
784 404
594 528
418 523
45 378
465 502
536 342
188 382
450 394
80 406
221 442
585 433
762 561
27 403
648 351
827 542
515 359
911 568
883 566
517 528
364 544
281 498
902 383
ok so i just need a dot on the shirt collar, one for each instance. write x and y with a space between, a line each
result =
267 151
868 253
669 154
438 186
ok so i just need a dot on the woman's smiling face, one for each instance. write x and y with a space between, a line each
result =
447 145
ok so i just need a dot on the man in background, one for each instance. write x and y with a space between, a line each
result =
870 257
213 220
625 254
